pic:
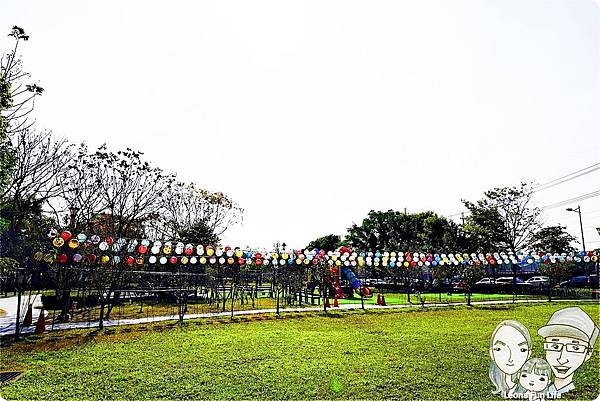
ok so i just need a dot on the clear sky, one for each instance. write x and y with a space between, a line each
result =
311 113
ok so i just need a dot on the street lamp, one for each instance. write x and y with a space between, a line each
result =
578 210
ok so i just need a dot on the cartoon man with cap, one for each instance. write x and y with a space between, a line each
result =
569 338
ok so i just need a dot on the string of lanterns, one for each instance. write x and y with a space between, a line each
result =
93 249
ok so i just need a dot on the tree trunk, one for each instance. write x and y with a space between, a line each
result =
65 304
18 321
108 305
232 289
101 322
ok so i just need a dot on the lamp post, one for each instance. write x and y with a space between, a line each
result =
578 210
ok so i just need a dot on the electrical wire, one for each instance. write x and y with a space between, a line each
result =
540 188
568 175
572 200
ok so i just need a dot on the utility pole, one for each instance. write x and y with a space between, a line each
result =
578 210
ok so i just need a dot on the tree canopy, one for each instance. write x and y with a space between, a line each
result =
503 220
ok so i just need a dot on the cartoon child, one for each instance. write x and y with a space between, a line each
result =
534 379
510 347
569 338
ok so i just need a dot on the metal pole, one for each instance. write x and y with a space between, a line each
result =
581 226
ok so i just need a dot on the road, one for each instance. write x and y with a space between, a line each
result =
9 305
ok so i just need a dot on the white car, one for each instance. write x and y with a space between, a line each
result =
538 281
508 281
486 281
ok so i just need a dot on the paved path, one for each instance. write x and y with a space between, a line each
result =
9 305
122 322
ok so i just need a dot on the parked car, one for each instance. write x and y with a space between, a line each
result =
576 282
538 281
509 281
594 281
486 281
458 285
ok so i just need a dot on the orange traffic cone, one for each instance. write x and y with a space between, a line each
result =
40 326
335 302
382 300
327 302
28 317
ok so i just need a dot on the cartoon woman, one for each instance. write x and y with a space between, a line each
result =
534 379
510 347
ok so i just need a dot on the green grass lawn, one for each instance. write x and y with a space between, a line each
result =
432 353
434 297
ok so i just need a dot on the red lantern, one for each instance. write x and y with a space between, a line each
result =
173 260
413 264
188 251
242 261
408 259
66 235
258 255
62 258
91 258
258 262
130 260
142 249
108 240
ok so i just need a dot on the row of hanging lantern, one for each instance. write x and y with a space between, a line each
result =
83 249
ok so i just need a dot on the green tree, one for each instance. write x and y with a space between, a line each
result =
393 230
470 274
553 239
503 220
327 243
556 272
200 233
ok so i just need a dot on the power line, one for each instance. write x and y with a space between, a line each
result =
553 183
541 188
568 175
572 200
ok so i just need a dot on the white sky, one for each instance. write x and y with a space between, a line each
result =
310 114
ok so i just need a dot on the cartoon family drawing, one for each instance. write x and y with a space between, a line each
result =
569 339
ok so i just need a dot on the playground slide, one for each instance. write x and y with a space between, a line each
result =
355 283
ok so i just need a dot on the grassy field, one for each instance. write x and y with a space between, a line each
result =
437 353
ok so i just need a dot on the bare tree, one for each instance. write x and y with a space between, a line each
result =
39 159
131 194
196 215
